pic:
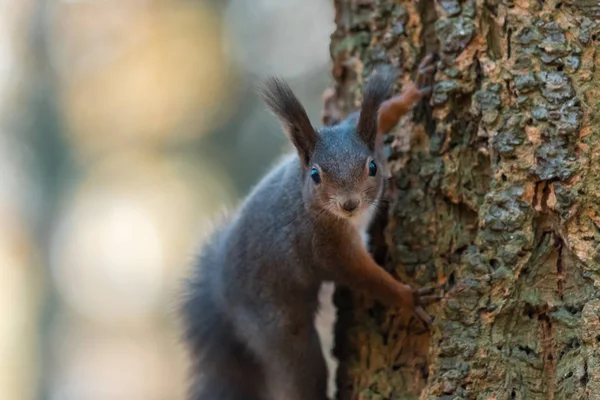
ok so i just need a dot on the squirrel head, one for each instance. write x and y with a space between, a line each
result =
342 168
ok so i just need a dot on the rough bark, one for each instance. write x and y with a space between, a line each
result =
495 195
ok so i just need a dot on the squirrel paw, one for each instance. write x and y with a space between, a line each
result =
423 297
425 75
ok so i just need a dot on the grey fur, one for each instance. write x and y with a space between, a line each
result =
250 305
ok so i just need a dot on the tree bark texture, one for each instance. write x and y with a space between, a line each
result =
494 194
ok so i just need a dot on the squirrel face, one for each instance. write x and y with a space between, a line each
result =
344 177
341 169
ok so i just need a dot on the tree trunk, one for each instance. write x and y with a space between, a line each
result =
495 195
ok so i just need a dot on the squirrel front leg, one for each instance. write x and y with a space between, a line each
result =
393 109
396 107
359 271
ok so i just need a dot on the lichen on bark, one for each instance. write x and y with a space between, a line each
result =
494 194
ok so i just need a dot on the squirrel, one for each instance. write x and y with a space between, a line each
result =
249 306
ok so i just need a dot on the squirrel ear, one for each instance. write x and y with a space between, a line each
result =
282 101
376 90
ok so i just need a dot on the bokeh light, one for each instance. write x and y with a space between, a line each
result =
99 364
130 220
129 72
279 37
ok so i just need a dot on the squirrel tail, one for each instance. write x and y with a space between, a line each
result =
221 366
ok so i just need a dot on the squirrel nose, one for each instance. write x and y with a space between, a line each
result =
350 204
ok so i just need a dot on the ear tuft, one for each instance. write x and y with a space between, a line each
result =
280 98
376 90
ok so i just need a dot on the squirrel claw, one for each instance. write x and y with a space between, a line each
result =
424 296
427 69
428 59
423 316
425 291
429 299
426 91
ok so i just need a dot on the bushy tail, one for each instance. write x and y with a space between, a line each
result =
222 369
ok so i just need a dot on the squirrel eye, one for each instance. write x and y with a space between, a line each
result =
314 174
372 168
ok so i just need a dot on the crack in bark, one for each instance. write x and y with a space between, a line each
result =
549 359
428 37
560 268
585 378
508 43
536 203
493 35
542 194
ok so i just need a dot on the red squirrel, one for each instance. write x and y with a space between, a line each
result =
250 304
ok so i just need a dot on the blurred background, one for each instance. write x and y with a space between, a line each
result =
126 128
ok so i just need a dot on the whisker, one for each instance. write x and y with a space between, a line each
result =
368 189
